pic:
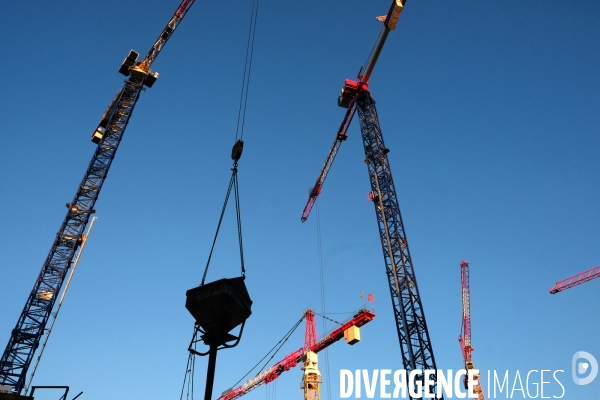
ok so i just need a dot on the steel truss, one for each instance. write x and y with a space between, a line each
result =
413 335
30 327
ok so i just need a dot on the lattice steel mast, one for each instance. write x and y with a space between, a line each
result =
30 327
413 335
465 342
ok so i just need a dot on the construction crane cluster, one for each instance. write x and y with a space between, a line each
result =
416 349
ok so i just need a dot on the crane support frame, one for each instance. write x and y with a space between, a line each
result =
30 327
26 336
415 344
576 280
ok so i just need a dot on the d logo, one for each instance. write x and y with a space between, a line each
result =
582 367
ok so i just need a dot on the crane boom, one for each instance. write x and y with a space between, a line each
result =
339 138
359 319
576 280
168 30
388 25
30 326
347 100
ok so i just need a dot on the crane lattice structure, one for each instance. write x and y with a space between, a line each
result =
576 280
413 335
307 355
30 326
465 342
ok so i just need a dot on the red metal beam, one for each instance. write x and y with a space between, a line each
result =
341 136
576 280
359 319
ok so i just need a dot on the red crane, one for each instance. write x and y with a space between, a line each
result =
576 280
347 329
465 343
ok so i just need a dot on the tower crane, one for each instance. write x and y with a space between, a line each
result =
415 344
576 280
306 355
465 342
26 335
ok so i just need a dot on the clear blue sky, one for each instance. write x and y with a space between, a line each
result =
490 110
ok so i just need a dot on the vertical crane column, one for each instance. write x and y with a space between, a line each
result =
466 301
311 380
408 310
465 343
26 336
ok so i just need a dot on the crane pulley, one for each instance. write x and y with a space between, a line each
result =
26 335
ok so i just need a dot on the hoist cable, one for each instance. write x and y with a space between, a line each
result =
284 339
239 221
189 370
231 181
323 310
237 148
279 348
332 320
247 71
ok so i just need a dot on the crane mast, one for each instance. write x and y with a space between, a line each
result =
30 326
311 379
465 342
576 280
413 335
411 326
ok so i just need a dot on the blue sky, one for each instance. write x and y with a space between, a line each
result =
490 110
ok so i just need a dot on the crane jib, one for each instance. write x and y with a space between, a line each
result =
359 319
